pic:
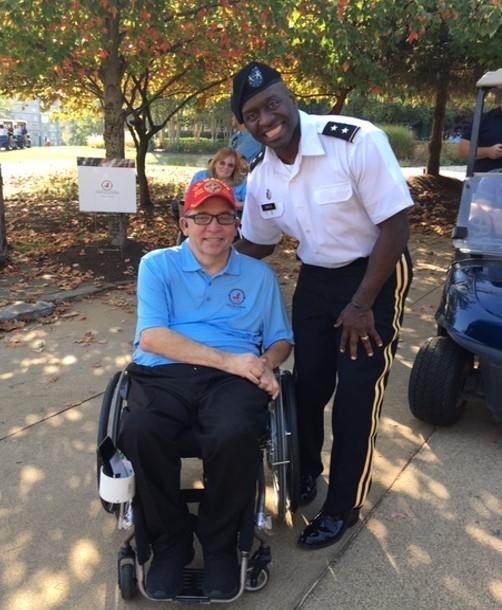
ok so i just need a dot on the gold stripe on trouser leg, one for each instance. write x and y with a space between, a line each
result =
402 281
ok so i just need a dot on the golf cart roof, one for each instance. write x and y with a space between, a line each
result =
491 79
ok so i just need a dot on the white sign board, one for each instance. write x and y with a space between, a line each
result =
106 185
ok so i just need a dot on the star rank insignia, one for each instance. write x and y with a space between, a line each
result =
340 130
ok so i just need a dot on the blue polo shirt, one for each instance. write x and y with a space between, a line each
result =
239 310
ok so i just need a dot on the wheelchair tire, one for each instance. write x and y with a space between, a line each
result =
293 470
127 581
278 461
257 581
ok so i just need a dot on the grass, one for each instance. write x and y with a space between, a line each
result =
66 155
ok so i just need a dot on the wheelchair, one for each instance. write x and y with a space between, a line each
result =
280 455
177 213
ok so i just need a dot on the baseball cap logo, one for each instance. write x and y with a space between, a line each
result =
211 186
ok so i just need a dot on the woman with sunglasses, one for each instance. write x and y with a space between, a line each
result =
230 167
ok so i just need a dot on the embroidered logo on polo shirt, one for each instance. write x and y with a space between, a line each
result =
340 130
236 297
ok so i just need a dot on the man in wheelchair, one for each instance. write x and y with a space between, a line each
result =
211 329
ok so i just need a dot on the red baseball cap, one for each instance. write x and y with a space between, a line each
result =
201 191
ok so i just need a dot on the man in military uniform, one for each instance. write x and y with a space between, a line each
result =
334 184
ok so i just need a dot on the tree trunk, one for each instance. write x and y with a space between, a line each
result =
145 200
436 141
3 230
112 71
340 102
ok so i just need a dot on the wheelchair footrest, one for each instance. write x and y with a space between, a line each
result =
192 588
192 584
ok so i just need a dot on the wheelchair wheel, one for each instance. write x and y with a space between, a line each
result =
280 449
109 421
256 581
293 470
278 457
284 448
176 211
127 578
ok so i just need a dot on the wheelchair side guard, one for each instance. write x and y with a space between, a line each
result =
117 492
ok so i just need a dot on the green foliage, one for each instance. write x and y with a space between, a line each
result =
416 116
77 131
401 140
6 107
449 154
194 146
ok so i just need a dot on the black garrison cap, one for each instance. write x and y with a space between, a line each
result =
249 81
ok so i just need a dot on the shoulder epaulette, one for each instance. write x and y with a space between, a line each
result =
344 131
256 160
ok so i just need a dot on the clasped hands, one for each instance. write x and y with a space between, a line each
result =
256 370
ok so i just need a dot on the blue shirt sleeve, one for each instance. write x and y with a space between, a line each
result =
200 175
240 191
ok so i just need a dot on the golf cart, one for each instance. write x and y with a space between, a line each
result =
464 360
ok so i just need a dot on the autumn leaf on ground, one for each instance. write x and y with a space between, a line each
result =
90 337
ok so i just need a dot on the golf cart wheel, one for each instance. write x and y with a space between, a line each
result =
437 381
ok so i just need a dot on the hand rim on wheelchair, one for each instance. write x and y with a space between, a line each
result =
283 458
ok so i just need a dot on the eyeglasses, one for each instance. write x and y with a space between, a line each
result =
223 164
207 219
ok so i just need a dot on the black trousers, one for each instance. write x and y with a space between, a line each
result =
320 369
227 414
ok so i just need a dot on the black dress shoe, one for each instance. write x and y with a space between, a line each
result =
164 579
308 489
221 575
326 529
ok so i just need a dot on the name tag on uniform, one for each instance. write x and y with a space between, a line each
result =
271 209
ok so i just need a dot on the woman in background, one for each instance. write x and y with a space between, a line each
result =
228 166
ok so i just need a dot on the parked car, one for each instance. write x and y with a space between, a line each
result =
463 361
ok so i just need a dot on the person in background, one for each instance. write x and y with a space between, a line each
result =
334 184
489 152
243 142
228 166
211 329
